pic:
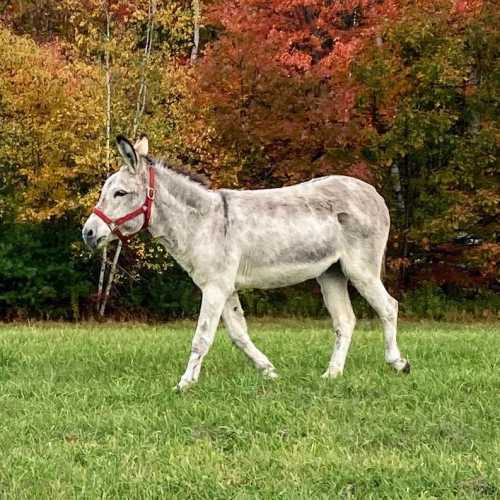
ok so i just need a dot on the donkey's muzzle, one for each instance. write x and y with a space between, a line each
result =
89 236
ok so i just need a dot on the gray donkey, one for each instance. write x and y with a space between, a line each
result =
333 229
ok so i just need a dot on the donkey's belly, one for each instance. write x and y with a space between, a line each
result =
275 275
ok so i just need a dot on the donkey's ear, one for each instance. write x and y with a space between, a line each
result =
142 146
127 152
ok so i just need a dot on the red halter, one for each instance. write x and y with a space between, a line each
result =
145 209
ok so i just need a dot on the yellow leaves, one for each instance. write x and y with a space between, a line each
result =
53 128
53 98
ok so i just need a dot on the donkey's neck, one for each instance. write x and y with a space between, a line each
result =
180 206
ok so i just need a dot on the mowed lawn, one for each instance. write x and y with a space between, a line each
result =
89 412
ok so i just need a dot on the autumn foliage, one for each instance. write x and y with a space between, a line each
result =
276 90
402 94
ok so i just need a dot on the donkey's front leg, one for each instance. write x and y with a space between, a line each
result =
212 304
237 328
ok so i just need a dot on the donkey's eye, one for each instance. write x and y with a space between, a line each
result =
120 192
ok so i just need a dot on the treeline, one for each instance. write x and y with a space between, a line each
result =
402 94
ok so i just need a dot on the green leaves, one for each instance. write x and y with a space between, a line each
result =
436 124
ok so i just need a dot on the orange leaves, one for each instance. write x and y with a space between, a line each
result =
466 6
276 88
361 170
302 33
295 60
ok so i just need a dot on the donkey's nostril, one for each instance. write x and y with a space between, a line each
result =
89 233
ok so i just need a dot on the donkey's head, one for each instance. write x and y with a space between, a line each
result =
122 193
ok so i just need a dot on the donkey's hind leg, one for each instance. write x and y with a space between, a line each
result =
336 297
237 329
370 286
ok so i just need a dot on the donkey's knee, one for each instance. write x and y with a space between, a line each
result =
345 323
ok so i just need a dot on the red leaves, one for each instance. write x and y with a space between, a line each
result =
361 170
302 34
273 97
276 87
466 6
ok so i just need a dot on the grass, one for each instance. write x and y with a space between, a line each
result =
89 412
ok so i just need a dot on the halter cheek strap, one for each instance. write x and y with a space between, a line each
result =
145 209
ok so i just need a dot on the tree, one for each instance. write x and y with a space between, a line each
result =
434 103
57 116
272 101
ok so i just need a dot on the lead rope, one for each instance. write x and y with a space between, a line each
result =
101 306
101 277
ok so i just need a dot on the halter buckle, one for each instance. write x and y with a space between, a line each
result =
150 194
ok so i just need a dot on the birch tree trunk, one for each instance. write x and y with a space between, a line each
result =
196 32
110 279
107 66
141 96
101 301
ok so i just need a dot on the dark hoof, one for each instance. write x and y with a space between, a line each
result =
406 368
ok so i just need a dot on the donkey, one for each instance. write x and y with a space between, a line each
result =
332 229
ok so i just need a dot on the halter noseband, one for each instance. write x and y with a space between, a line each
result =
145 209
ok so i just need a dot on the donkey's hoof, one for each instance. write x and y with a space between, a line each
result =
401 366
332 373
183 386
270 373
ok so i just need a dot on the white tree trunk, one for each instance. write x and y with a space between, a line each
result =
396 183
141 96
196 32
107 66
110 279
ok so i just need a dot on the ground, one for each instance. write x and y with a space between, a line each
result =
89 412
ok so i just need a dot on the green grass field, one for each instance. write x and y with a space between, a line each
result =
89 412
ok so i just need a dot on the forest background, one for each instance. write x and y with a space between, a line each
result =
252 94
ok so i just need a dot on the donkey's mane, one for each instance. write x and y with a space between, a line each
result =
183 170
184 186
